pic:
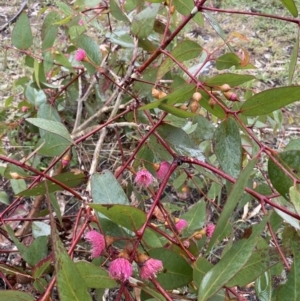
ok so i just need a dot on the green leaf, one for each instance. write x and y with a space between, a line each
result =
92 51
195 216
143 22
52 145
228 147
227 60
177 272
204 131
15 296
294 57
259 262
215 110
185 50
182 94
50 37
61 59
176 111
33 253
50 19
232 200
263 287
40 229
94 276
147 289
128 217
279 179
107 190
4 199
121 37
180 141
232 262
70 179
284 216
201 267
35 96
291 6
231 79
290 290
116 12
51 126
40 268
295 197
55 205
22 35
18 185
184 7
70 283
270 100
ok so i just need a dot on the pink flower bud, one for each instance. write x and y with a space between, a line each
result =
120 269
143 178
163 169
97 242
80 22
80 55
210 228
24 109
65 162
180 225
150 268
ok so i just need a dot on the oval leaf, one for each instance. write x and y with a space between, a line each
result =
22 35
107 190
230 79
51 126
228 147
177 272
270 100
70 283
94 276
279 179
128 217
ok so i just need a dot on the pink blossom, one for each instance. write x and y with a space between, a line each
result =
80 22
180 225
97 241
143 178
24 109
210 228
65 162
80 55
163 169
150 268
120 269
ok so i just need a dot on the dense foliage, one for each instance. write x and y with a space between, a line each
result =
137 160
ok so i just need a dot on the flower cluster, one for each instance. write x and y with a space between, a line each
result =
150 268
80 55
97 242
143 178
120 269
180 224
210 228
162 170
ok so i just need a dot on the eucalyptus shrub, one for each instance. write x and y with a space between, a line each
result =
132 170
